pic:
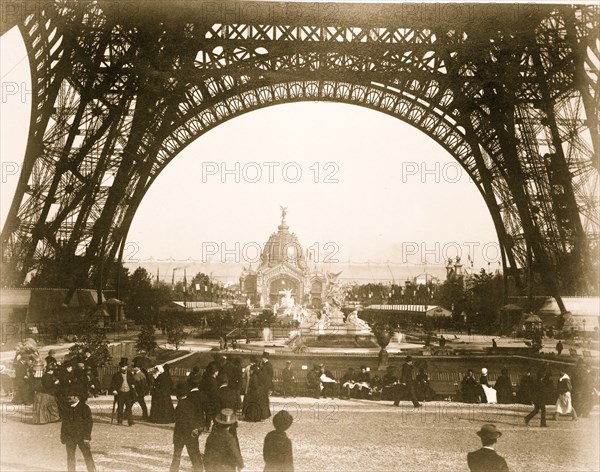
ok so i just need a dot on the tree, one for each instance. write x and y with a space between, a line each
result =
485 293
175 333
239 314
91 337
139 301
265 318
146 341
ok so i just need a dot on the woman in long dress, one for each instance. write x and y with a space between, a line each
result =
161 410
564 404
504 388
252 400
488 393
45 406
264 385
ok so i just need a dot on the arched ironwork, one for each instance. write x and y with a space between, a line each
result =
511 91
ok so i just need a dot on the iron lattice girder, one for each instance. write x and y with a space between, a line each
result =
139 88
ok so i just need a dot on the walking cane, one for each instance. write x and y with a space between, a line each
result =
112 415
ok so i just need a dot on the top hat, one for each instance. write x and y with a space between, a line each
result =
226 416
282 420
489 431
408 358
123 362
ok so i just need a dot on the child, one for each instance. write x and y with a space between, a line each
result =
277 450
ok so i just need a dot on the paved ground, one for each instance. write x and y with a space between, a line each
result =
328 435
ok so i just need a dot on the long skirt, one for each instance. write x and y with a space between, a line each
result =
490 394
45 409
161 409
564 405
265 408
252 408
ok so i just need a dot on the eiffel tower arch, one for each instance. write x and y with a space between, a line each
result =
120 88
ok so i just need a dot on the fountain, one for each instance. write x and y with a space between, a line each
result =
329 328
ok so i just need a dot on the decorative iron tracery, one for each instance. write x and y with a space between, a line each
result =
116 96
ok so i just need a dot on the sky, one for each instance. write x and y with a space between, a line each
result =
358 185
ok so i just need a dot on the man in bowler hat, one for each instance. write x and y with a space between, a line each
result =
221 453
188 426
487 459
76 430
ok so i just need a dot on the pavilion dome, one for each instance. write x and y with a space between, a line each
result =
283 246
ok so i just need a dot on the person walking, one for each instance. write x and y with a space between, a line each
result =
538 395
265 381
559 347
252 406
564 404
221 453
487 459
45 407
277 447
142 389
229 399
123 388
188 426
161 409
76 430
210 387
407 381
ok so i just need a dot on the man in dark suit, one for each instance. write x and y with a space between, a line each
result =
230 399
487 459
188 426
198 398
141 390
221 453
122 386
76 430
539 398
407 382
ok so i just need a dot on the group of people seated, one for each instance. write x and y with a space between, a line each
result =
360 384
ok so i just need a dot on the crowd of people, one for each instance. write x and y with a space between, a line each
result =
213 401
538 389
48 395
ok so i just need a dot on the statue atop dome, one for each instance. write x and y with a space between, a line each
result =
284 211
